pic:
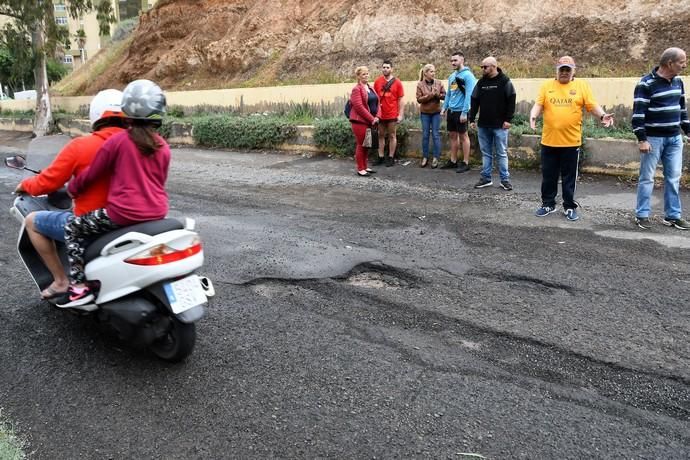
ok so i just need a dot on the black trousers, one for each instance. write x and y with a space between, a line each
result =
559 162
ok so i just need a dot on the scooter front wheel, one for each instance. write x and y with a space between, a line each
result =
177 343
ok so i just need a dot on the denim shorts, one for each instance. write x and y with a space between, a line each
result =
52 223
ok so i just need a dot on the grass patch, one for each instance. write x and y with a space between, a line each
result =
11 446
75 83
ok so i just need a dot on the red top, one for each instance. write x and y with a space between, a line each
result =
74 158
360 107
389 100
137 182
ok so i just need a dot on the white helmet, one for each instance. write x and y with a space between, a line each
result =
107 103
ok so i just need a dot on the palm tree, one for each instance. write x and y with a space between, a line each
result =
80 39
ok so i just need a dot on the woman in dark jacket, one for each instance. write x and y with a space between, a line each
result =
362 98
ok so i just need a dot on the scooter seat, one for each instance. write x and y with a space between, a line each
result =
153 227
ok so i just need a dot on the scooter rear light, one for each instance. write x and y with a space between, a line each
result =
164 254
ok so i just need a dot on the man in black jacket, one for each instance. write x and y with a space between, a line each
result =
494 98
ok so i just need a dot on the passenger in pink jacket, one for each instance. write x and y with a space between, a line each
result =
362 98
137 161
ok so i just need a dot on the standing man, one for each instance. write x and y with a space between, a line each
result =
457 104
494 98
390 92
659 114
561 100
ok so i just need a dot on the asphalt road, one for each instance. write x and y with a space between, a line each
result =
402 316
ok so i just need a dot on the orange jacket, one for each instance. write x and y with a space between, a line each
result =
74 158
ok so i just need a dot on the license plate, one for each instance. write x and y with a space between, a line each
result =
185 293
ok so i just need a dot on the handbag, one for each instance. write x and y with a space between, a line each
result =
367 139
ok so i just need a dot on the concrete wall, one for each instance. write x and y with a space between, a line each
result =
609 92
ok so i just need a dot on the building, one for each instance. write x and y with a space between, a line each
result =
85 40
84 35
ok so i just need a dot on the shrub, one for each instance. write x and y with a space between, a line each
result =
334 135
251 132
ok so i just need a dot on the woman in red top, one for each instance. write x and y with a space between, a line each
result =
137 161
362 98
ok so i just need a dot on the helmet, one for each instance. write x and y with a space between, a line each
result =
107 103
143 100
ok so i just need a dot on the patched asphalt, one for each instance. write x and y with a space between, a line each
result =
402 316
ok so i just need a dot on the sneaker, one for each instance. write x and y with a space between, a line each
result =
425 161
390 161
643 222
449 165
506 185
434 163
462 167
483 182
544 211
680 223
379 161
75 297
571 214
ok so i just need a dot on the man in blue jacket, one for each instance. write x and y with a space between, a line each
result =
659 118
457 105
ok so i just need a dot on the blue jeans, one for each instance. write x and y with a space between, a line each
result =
490 139
670 151
431 123
52 223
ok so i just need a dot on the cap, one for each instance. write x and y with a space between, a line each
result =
566 61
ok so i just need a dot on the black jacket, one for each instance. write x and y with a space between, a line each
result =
494 99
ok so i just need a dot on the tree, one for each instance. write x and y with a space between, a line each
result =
80 38
35 21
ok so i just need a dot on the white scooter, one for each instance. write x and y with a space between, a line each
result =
143 274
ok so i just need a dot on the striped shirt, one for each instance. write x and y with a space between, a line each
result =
659 107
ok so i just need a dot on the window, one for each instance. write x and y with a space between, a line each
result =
68 59
60 8
61 21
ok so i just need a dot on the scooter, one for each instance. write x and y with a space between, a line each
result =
143 275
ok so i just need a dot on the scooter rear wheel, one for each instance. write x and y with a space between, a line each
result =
178 342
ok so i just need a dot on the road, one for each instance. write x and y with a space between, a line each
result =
401 316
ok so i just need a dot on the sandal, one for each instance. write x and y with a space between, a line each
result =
50 293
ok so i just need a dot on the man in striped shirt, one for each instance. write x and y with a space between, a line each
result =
659 114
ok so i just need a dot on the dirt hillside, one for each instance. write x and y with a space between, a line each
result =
202 44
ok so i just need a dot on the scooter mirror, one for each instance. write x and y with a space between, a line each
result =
15 162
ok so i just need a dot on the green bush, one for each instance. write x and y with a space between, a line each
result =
334 135
252 132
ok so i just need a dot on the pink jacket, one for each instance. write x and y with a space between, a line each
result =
360 108
137 183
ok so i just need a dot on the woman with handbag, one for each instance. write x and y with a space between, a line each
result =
430 93
364 115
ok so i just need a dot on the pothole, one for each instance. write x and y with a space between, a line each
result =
375 280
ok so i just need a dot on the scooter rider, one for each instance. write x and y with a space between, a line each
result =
43 227
136 161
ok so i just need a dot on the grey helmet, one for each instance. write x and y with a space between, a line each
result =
143 100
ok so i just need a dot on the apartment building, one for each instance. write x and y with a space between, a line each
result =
84 45
84 35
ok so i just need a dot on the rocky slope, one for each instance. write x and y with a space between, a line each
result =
201 44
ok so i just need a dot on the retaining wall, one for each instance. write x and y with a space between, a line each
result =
606 156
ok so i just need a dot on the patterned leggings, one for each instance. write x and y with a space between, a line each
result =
77 230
